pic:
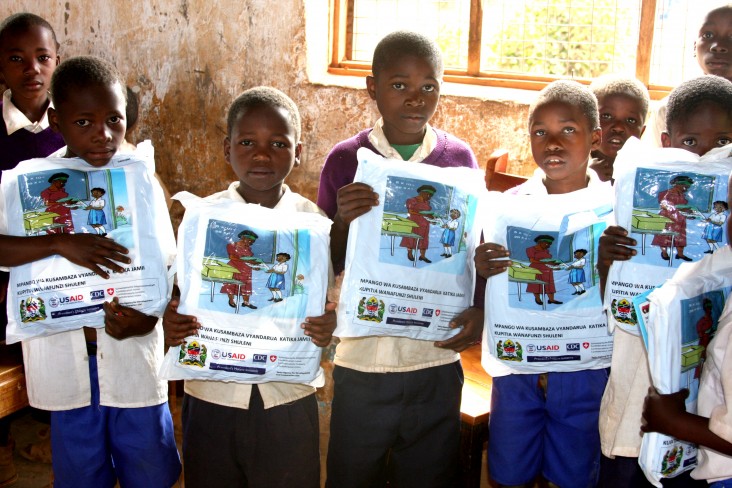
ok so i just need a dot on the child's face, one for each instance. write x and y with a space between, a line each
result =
262 151
718 207
406 94
561 141
27 61
714 43
96 193
92 122
709 126
620 118
281 259
454 214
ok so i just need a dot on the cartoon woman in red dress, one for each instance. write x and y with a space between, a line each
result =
670 201
417 206
537 254
236 251
51 197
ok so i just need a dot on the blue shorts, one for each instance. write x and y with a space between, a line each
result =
552 431
722 484
95 446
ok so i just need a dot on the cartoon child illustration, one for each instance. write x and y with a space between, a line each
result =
672 201
577 271
121 216
419 208
539 256
53 198
236 251
97 219
715 222
276 281
448 235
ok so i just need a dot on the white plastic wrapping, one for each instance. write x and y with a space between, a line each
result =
250 275
66 195
384 292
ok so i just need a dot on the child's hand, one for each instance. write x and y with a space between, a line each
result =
488 260
177 326
471 321
354 200
615 245
663 413
320 329
91 251
122 322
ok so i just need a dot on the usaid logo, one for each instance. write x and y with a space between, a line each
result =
61 301
402 309
427 312
97 294
573 346
547 348
259 358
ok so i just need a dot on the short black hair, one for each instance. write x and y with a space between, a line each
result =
722 203
399 44
20 23
264 96
686 98
286 255
82 72
609 85
571 93
98 189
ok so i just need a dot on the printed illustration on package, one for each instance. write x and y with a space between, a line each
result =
72 201
425 223
246 268
550 270
677 216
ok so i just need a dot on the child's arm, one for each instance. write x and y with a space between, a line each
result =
354 200
488 260
320 329
176 326
88 250
615 245
667 414
122 322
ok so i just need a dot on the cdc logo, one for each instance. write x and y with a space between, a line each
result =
97 294
260 358
573 346
427 312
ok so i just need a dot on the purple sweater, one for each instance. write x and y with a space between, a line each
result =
340 165
23 144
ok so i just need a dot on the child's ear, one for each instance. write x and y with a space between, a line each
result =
596 138
227 149
371 86
665 139
53 119
298 152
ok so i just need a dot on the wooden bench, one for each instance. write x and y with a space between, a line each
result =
13 393
474 413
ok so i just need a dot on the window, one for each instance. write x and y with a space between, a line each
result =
528 43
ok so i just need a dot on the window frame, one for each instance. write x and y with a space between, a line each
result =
341 46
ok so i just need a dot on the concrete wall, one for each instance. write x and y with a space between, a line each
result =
189 58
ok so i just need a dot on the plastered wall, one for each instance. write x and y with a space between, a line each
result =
189 58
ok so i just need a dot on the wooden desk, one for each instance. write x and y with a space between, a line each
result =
474 413
13 394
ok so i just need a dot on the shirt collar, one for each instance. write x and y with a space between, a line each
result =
535 184
381 143
233 194
15 119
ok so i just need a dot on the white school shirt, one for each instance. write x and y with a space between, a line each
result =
238 395
715 400
57 367
15 119
384 354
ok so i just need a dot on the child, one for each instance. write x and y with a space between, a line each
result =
546 423
577 270
713 229
28 57
712 52
699 118
97 219
276 280
410 416
110 419
711 428
448 235
238 434
623 105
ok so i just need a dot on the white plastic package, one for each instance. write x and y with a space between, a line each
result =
123 201
409 261
673 203
682 320
545 314
250 275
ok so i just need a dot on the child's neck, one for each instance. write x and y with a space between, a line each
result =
566 185
267 198
33 109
